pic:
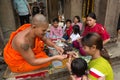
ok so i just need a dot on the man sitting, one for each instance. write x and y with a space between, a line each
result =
24 51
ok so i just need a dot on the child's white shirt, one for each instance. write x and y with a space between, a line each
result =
74 37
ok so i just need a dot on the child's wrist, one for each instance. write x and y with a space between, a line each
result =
70 72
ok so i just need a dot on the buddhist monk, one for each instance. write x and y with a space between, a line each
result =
24 51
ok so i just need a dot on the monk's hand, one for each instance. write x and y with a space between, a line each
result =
59 49
60 57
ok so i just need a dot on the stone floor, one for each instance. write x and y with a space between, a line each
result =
115 51
113 48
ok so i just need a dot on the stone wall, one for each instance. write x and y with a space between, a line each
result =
67 9
72 8
52 9
107 12
76 8
7 19
112 15
100 10
1 39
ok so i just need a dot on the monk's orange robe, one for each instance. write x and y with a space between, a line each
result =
14 59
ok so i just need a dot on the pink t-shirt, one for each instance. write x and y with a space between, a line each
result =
98 28
56 31
79 24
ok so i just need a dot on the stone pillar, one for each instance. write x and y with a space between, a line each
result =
100 10
7 19
112 15
72 8
118 14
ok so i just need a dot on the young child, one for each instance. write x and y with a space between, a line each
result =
76 21
55 30
77 68
67 29
99 65
76 33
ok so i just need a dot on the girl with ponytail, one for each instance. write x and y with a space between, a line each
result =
99 65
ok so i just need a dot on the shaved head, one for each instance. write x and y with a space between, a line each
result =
39 19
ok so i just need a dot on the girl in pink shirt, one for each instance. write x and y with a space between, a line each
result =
76 21
55 30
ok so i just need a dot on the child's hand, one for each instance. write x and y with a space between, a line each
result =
73 54
60 57
79 39
68 64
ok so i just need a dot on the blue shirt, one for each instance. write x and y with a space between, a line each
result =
21 7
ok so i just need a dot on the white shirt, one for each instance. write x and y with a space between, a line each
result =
74 36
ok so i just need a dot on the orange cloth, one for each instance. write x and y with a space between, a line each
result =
14 59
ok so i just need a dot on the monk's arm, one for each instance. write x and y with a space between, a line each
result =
27 53
49 42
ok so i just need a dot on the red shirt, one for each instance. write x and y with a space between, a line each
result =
69 31
98 28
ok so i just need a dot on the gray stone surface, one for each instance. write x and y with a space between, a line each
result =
7 19
114 49
112 15
100 11
72 8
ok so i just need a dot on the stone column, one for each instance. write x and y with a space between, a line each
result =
67 9
100 10
7 19
112 15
